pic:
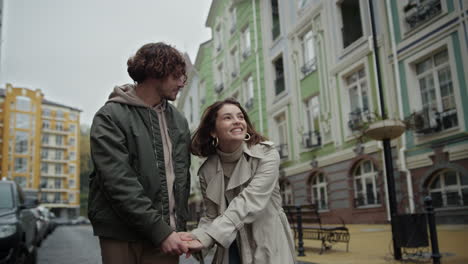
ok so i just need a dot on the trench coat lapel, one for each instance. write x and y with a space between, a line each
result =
243 170
215 187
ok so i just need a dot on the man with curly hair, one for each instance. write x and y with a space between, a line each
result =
140 149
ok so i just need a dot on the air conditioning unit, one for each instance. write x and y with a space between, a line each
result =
426 121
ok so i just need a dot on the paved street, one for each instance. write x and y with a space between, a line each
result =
77 245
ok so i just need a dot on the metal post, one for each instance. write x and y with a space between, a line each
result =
432 230
386 142
300 248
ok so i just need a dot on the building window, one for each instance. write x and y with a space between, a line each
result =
58 184
71 184
275 19
245 42
21 142
202 92
358 96
44 154
282 131
72 155
449 188
365 184
59 114
233 18
44 167
249 92
437 94
58 169
218 40
46 113
71 197
286 192
21 165
279 73
234 64
45 139
318 188
72 169
23 120
23 104
45 124
58 140
220 79
351 29
71 141
308 53
57 198
311 136
59 155
72 116
59 126
72 128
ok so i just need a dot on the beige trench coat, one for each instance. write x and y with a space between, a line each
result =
254 215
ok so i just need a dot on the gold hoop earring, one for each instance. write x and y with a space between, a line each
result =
215 142
247 137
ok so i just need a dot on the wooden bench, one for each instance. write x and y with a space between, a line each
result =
306 223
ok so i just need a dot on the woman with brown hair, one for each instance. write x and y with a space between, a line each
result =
241 194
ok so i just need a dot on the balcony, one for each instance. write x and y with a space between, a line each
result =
219 88
283 150
429 121
309 66
311 139
417 14
246 53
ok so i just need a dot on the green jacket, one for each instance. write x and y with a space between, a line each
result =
128 198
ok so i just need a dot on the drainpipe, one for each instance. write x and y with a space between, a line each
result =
402 150
259 88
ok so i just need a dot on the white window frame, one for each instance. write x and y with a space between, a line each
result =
309 56
415 94
282 133
318 189
362 177
249 90
287 193
246 42
443 188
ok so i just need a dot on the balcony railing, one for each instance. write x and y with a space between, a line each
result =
428 121
283 150
356 118
416 14
451 199
309 66
311 139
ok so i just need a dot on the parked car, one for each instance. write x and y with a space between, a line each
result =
49 217
17 225
42 226
80 220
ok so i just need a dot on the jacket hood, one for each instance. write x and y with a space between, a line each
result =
126 94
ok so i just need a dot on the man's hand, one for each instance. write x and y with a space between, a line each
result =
185 236
173 245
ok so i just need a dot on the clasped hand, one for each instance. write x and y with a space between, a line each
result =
180 243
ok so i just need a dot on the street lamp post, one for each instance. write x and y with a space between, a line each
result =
386 143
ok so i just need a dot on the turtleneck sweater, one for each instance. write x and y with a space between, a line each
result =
229 160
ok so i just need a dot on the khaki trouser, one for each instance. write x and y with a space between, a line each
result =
124 252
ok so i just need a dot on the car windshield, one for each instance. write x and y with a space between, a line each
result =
6 196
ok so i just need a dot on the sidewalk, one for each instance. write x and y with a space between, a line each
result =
372 244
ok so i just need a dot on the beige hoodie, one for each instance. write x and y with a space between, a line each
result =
126 94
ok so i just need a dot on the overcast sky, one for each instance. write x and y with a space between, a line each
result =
75 51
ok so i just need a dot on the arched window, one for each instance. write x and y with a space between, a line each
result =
318 189
365 184
449 188
286 192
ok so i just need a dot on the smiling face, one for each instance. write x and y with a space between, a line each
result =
230 127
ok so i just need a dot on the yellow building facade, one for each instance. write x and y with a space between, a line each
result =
39 142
